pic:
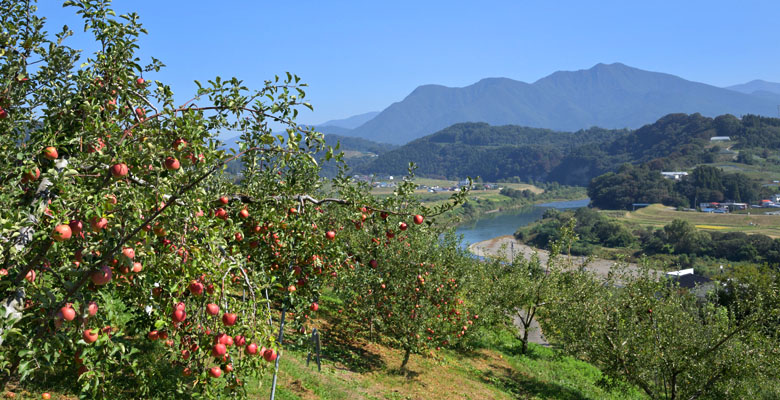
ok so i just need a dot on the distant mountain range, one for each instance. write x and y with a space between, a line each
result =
757 86
606 95
351 122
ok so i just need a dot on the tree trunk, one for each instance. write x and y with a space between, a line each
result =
525 339
406 359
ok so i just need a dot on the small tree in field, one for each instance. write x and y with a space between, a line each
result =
131 267
525 285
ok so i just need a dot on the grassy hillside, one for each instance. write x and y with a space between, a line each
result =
356 368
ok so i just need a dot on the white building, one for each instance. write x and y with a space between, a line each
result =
676 175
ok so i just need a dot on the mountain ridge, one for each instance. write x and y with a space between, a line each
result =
612 96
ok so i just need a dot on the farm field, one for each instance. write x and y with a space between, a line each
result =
658 215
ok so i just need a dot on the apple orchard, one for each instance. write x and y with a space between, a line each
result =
134 266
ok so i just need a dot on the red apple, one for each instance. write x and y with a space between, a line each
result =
31 175
244 213
215 372
98 223
128 252
140 82
251 348
30 276
61 233
91 148
50 153
137 267
153 335
101 276
330 235
239 340
178 315
229 319
212 309
224 200
373 263
270 355
196 288
225 339
92 308
229 368
418 219
239 237
46 396
220 213
172 164
179 144
119 170
76 227
90 335
186 371
140 112
314 306
218 350
402 226
3 113
68 313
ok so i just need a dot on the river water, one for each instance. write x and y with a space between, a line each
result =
506 223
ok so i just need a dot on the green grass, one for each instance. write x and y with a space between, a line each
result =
354 368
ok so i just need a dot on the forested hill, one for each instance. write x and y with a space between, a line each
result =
676 141
491 152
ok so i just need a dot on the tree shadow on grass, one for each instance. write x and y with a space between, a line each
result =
339 346
523 386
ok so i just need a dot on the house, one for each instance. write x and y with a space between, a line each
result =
688 279
720 139
464 182
676 175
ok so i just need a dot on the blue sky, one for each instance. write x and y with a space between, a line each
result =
361 56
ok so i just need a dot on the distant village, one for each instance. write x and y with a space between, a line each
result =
388 181
725 207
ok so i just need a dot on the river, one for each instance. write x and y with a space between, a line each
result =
506 223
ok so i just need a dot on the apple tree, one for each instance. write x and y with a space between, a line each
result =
404 279
130 262
650 333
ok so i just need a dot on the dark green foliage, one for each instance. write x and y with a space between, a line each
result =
592 229
629 185
639 184
681 238
491 152
357 144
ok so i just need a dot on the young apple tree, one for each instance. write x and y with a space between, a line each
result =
404 280
644 330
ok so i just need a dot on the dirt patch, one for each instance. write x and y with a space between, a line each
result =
509 248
